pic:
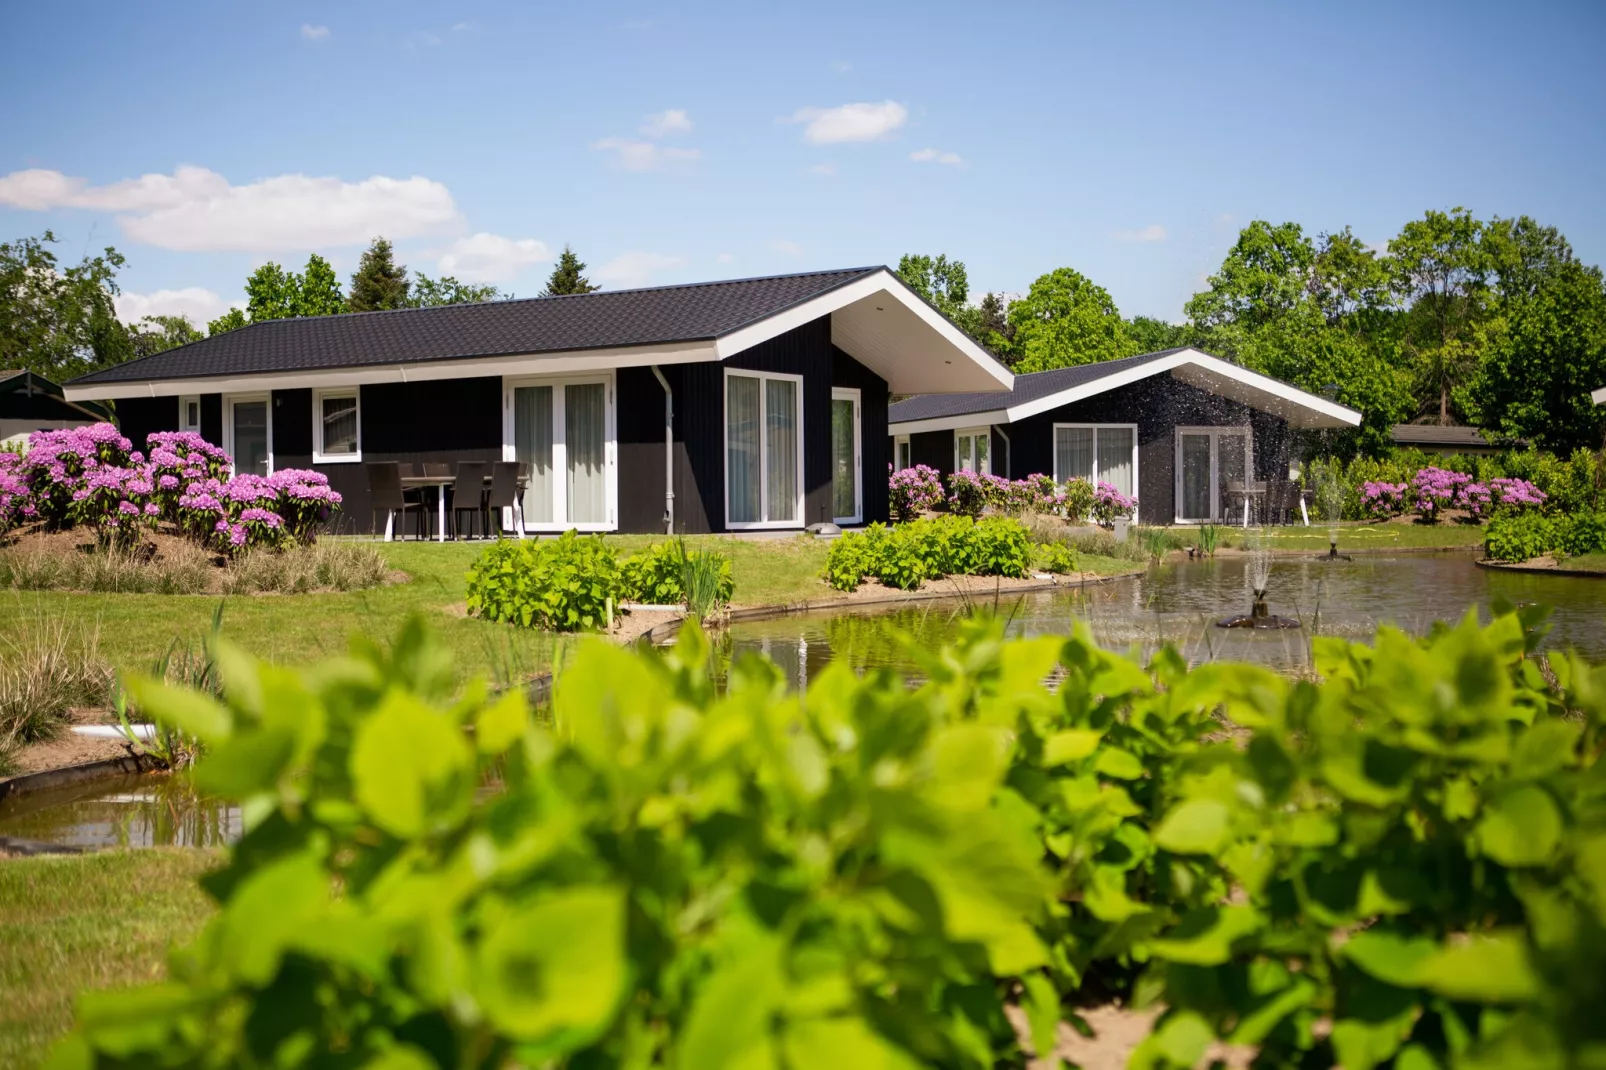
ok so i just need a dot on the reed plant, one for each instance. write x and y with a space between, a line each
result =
48 666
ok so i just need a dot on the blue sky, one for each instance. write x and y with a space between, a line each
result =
682 142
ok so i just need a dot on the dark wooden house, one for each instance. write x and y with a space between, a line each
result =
29 402
721 406
1188 434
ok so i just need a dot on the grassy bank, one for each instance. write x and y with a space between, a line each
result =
1398 536
94 921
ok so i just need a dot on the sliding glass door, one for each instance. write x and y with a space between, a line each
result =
562 432
1213 472
763 450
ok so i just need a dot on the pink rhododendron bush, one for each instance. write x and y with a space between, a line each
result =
970 494
92 478
1432 492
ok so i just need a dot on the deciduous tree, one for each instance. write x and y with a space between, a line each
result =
446 290
318 290
1441 270
232 320
154 334
1066 319
59 322
270 293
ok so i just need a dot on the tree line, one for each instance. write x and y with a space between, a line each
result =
61 321
1456 321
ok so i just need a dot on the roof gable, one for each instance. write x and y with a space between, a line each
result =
1037 392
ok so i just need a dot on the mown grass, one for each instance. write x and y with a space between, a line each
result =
1586 562
68 924
1447 536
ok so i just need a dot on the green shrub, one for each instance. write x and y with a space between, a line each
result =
905 556
1403 864
1054 557
565 584
1520 536
658 574
1582 533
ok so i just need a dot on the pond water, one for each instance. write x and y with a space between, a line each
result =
1179 604
149 810
1176 603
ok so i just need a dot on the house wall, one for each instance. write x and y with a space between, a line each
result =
453 420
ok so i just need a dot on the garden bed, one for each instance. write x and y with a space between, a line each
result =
166 562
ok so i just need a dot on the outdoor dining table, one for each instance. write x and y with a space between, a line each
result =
442 483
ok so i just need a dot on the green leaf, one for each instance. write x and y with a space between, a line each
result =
555 965
1490 969
188 711
1041 1003
1118 763
1398 960
410 767
1197 826
839 1043
1071 745
1205 937
1180 1041
734 1007
499 724
1521 827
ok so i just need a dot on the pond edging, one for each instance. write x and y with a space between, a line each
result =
1538 570
68 775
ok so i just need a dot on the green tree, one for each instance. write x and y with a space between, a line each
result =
271 293
232 320
59 322
1348 279
1544 341
446 290
317 290
568 276
379 282
1066 319
946 285
1150 335
1440 269
1265 278
154 334
993 327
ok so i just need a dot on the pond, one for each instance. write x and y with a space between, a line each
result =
1175 603
149 810
1179 604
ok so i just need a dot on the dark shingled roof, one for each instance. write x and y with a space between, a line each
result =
605 319
1028 387
1434 435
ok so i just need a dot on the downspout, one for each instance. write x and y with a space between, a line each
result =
669 452
1009 449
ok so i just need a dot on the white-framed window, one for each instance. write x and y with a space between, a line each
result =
847 492
562 430
763 450
248 432
1098 453
1214 473
971 447
902 457
336 426
189 413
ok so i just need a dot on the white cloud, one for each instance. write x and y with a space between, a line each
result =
826 169
637 268
314 33
725 258
195 209
490 257
790 248
643 155
425 38
1152 232
664 123
953 159
850 122
199 305
462 27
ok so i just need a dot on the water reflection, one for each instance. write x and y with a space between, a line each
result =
1178 604
150 810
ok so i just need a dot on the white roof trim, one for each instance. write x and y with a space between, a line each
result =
584 360
1326 413
1598 396
882 281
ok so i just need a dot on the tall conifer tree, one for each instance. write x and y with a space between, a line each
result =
567 277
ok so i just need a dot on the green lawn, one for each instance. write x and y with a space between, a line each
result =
92 921
1587 562
1371 537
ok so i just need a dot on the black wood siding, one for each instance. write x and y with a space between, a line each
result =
138 417
875 448
934 449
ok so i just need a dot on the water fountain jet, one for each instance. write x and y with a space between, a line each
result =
1259 576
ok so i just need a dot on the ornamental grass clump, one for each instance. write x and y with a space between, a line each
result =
913 491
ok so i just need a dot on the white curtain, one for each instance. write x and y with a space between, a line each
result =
1115 458
780 449
585 440
339 425
742 448
1073 453
532 444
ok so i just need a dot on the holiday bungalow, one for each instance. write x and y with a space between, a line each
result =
1193 437
720 406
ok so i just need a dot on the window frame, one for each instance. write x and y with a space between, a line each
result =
318 454
855 395
231 400
1215 433
560 450
184 402
797 520
901 442
1054 447
973 433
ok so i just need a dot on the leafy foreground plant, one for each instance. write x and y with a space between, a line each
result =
1404 865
